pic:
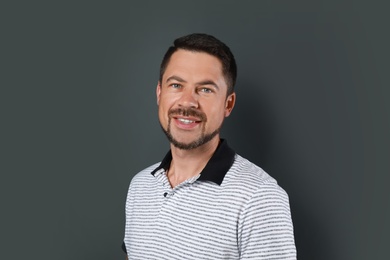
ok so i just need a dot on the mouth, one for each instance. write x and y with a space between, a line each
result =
187 118
187 121
185 115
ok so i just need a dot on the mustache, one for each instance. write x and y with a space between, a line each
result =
187 112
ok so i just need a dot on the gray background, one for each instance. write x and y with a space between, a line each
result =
78 115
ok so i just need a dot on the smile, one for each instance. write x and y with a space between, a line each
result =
186 121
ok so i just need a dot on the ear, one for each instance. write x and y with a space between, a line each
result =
229 104
158 92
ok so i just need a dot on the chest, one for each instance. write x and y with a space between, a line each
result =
189 221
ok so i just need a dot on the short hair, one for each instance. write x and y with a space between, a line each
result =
200 42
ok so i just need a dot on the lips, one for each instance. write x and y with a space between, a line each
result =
186 118
186 121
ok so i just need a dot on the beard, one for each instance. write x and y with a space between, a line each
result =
203 138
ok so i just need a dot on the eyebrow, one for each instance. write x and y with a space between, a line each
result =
177 78
208 82
201 83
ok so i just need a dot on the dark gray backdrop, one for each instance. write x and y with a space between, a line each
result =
79 116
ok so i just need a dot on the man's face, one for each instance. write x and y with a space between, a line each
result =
191 98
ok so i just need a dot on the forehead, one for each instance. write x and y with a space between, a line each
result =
194 64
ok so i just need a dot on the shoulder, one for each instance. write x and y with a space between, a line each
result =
248 173
252 180
144 175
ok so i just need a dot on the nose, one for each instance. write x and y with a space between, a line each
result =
188 98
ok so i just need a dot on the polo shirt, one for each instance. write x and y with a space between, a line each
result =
231 210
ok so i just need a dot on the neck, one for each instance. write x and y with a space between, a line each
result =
186 164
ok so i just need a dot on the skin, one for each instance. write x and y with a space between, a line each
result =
192 80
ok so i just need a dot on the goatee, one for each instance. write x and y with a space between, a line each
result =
204 138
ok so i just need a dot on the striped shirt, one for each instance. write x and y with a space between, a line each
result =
231 210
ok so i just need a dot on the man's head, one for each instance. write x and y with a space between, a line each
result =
199 42
195 90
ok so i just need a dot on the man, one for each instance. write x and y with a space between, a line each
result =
203 201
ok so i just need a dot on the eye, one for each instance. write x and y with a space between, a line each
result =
206 90
175 85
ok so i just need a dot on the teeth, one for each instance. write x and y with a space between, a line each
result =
185 121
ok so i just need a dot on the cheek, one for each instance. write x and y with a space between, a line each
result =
167 101
163 109
162 112
217 113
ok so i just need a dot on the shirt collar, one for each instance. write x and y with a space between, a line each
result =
215 169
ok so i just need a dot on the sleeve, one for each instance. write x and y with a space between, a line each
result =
128 207
265 229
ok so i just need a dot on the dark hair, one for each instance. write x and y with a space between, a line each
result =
209 44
